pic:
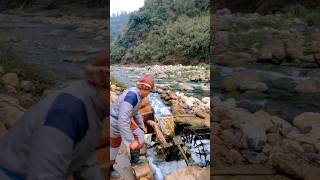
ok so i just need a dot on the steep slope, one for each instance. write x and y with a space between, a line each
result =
171 31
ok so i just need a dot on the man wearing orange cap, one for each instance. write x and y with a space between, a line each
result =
57 137
123 128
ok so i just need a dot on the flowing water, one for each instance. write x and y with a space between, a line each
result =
129 78
32 40
280 99
159 166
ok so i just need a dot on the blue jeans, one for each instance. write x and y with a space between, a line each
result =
10 174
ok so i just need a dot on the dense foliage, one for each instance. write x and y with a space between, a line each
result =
262 6
178 29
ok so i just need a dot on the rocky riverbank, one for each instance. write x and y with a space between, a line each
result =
268 62
18 93
267 89
242 137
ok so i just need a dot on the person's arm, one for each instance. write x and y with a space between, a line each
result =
52 147
139 120
89 170
51 152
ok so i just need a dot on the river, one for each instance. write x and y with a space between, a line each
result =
280 98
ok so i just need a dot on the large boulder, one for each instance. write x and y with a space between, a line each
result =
253 128
253 86
294 50
253 137
233 157
10 79
190 173
309 86
232 82
307 119
186 87
297 169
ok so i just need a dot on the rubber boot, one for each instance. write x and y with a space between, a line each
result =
114 173
135 157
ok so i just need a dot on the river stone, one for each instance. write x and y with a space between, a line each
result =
6 99
263 119
200 114
284 126
233 157
10 79
190 173
226 124
253 136
229 103
294 50
298 169
313 137
186 87
291 146
265 53
308 148
232 82
307 119
173 96
253 85
309 86
274 139
10 89
309 58
254 157
206 100
27 86
234 59
205 88
267 149
10 115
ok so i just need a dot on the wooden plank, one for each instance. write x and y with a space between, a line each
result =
177 141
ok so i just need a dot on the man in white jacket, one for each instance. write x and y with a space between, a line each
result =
57 137
123 128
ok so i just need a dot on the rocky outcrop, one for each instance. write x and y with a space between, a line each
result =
242 137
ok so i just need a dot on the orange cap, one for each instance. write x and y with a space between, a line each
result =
146 81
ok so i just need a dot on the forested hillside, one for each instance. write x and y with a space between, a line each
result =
166 31
117 25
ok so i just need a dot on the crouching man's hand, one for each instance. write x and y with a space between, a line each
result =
134 145
145 130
